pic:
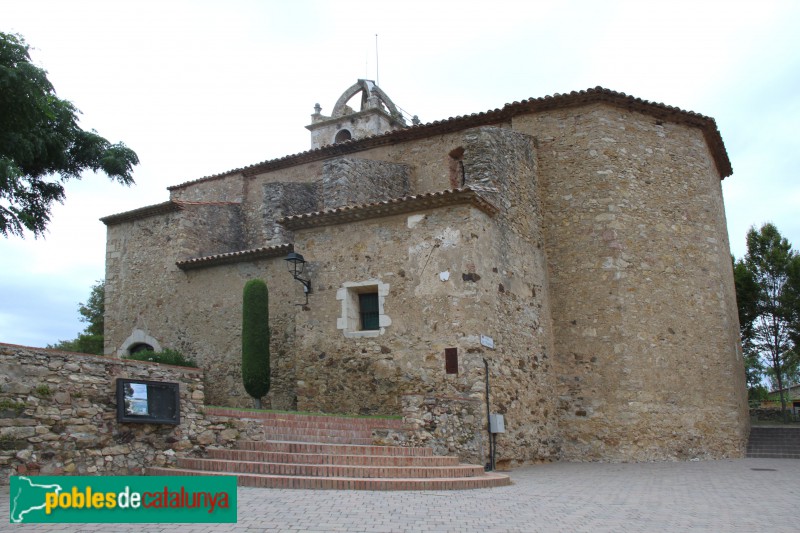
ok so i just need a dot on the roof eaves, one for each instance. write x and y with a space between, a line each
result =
658 110
235 257
142 212
395 206
483 118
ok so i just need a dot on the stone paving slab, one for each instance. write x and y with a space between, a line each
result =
720 496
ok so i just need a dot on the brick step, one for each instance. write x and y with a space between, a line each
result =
314 432
321 452
291 437
335 449
315 470
322 458
485 480
305 424
359 422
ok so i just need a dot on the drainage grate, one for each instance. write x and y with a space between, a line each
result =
763 470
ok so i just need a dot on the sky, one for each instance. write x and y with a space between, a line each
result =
201 87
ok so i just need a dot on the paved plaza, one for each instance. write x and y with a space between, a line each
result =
721 496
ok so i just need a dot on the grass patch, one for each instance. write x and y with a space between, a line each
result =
10 405
245 409
43 391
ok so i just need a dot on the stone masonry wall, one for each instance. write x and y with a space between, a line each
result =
453 274
208 312
210 229
197 312
286 199
605 281
429 159
368 375
454 425
350 181
502 164
141 276
648 361
58 415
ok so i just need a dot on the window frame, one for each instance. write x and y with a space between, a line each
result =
349 321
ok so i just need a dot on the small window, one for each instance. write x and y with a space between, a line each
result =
368 310
363 312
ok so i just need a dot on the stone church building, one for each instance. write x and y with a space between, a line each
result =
577 243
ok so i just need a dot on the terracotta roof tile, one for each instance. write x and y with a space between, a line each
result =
396 206
235 257
142 212
531 105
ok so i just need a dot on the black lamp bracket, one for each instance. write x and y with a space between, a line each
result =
296 266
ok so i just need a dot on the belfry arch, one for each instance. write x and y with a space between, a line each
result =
371 95
376 115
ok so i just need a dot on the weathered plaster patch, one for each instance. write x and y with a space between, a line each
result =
413 220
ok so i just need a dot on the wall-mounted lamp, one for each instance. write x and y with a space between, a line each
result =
297 264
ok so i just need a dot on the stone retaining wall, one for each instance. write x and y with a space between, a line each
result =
58 415
765 414
450 425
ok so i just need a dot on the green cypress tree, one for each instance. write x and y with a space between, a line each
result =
255 340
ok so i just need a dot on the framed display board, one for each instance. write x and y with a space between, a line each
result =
148 402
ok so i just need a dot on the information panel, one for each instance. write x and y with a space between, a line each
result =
148 402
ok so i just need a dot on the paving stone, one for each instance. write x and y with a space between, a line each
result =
716 496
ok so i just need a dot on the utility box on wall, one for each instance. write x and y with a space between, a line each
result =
497 423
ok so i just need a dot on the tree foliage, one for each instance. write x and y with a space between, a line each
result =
255 340
747 291
91 339
41 144
768 293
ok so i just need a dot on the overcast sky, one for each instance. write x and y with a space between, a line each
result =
197 88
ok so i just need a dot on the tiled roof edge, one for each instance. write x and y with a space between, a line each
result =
235 257
396 206
598 94
572 99
143 212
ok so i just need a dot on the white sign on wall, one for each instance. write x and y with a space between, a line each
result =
487 341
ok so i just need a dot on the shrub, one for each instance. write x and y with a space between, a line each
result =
255 340
167 357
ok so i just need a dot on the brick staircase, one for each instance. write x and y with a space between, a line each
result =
778 442
328 452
